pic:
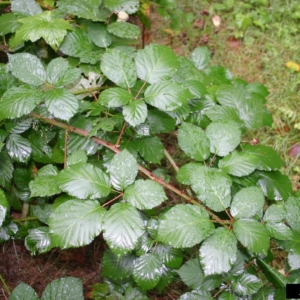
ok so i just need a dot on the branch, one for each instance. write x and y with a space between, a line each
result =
115 149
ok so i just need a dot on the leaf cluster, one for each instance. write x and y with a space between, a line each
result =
81 136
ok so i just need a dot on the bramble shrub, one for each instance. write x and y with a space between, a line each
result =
84 117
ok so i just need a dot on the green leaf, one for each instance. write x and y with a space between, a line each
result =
258 88
75 223
252 235
61 103
160 122
66 288
201 57
218 252
41 151
122 228
44 25
115 97
97 32
191 273
119 68
45 183
129 6
42 211
60 73
123 169
294 259
27 68
6 168
84 9
246 284
84 181
185 173
220 113
78 44
170 257
18 125
212 186
18 101
218 75
227 296
275 185
167 95
238 163
247 203
275 213
18 147
124 30
8 23
147 271
135 113
156 63
3 207
292 206
23 292
193 141
145 194
151 149
7 80
268 158
276 278
224 137
25 7
118 269
264 293
196 295
77 157
184 226
279 231
38 240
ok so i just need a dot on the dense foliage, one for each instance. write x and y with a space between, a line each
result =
84 118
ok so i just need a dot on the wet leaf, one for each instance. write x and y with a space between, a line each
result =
23 292
3 206
184 226
25 7
124 30
145 194
116 268
156 63
212 186
6 168
75 223
238 163
294 258
160 122
18 147
61 103
275 213
201 57
169 256
84 181
119 68
44 25
218 252
98 33
268 158
193 141
196 295
147 271
247 203
167 95
66 288
151 149
8 23
18 101
115 97
246 284
123 169
252 235
135 113
122 228
186 172
38 240
129 6
292 206
224 137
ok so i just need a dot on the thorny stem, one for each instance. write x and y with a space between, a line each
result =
89 91
171 160
4 2
66 147
115 149
112 200
120 135
24 219
136 96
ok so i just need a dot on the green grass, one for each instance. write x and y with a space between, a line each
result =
258 55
